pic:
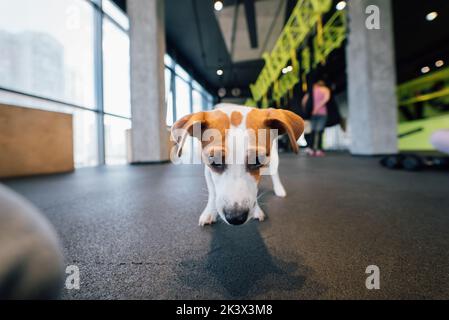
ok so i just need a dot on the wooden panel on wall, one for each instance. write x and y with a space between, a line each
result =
34 142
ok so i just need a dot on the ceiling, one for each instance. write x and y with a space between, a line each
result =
248 41
419 42
121 4
203 40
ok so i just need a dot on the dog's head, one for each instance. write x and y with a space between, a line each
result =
236 148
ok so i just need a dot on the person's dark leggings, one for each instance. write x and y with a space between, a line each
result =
316 140
318 124
308 137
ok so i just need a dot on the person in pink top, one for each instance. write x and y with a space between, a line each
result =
321 96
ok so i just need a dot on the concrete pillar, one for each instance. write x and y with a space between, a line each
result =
371 81
149 135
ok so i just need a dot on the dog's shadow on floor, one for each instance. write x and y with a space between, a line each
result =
240 263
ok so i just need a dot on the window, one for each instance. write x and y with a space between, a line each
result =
85 138
169 97
182 73
115 139
47 49
183 95
116 14
73 56
182 98
168 61
51 58
116 73
198 101
116 84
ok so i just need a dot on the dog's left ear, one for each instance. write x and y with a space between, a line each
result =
184 127
286 122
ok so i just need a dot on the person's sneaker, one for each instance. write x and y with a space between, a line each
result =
319 153
309 152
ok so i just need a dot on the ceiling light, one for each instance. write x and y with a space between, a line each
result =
236 92
439 63
425 69
218 5
287 69
219 72
432 16
221 92
341 5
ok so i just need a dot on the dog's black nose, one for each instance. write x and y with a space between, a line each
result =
236 215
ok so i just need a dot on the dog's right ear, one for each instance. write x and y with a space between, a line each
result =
185 126
287 122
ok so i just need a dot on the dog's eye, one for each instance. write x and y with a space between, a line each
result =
216 163
257 164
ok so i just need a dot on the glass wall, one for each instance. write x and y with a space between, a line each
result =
47 49
116 77
169 95
183 103
183 95
85 139
115 139
116 73
70 56
73 56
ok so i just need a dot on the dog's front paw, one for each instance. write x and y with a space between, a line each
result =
207 217
258 214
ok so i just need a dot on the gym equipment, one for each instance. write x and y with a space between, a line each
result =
415 162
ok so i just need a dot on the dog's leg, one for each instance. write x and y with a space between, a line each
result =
210 213
258 213
278 187
274 164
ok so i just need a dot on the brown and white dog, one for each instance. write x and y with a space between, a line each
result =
239 144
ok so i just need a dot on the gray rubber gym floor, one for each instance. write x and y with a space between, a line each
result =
133 232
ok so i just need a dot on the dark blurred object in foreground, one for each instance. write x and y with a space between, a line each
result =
31 263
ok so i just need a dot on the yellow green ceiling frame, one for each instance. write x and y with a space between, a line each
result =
302 20
420 89
334 33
